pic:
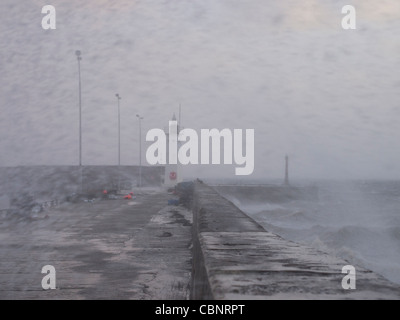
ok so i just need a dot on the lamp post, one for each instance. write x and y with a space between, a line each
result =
140 149
79 58
119 140
286 170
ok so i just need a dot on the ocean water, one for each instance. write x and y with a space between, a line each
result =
357 221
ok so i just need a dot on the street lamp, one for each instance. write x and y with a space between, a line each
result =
79 58
140 149
119 140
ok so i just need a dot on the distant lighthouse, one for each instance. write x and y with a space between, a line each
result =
172 177
286 171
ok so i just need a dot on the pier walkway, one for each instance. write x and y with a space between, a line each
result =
109 249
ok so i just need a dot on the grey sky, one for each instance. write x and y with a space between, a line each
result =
327 97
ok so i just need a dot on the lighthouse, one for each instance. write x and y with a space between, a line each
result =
172 176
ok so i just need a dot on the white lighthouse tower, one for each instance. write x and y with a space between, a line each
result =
172 176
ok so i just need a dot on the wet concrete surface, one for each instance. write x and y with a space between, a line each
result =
111 249
235 258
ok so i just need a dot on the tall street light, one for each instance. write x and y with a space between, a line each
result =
140 149
79 58
119 139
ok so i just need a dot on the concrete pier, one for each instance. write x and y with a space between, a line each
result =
235 258
112 249
143 249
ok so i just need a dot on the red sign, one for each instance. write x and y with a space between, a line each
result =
172 175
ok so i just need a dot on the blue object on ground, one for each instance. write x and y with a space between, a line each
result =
173 202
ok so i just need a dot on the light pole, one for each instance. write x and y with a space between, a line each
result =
140 149
119 140
79 58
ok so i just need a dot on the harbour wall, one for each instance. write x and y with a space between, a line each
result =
236 258
57 182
